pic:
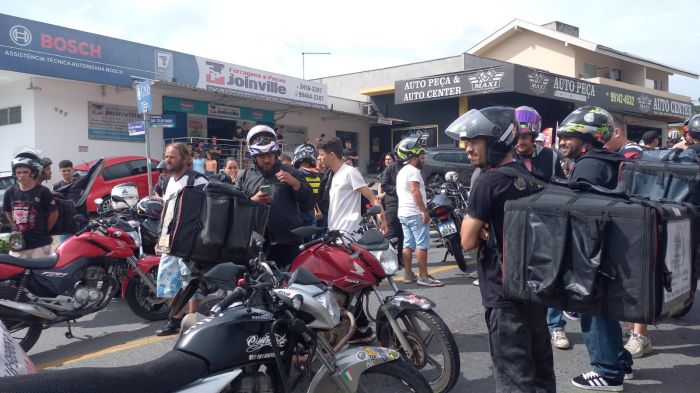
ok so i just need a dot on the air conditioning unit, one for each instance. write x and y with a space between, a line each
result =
368 110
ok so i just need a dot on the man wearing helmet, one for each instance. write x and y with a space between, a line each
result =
582 136
280 185
30 208
519 339
305 161
541 161
413 210
694 133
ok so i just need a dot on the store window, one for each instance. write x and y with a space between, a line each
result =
590 70
10 116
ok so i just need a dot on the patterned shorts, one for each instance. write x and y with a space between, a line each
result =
173 274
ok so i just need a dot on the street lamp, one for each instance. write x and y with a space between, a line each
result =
303 65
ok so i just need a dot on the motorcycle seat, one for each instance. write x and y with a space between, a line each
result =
30 263
372 240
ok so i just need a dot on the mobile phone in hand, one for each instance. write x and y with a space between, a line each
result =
267 189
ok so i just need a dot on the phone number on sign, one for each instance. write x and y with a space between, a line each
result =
313 89
309 96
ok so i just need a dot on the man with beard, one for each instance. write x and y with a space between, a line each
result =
581 138
280 185
173 272
541 161
518 337
413 211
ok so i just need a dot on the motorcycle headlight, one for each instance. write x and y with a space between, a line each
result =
388 259
328 301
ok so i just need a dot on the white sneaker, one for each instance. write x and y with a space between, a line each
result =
476 282
559 339
639 345
429 281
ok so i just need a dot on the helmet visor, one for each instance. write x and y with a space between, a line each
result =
470 125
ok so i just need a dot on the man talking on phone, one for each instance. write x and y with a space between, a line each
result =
280 185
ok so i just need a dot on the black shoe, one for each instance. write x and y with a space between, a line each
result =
172 326
594 381
362 337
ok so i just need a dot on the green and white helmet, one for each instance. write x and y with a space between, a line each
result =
590 123
409 147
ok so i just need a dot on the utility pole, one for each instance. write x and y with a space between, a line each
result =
303 61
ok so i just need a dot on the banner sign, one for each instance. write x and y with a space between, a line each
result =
173 104
110 122
136 128
261 85
224 111
478 81
144 99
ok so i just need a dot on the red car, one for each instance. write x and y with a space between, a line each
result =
118 170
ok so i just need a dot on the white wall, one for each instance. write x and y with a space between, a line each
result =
59 136
16 135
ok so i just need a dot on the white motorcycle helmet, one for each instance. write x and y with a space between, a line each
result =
452 176
262 139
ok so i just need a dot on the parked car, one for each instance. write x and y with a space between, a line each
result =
6 180
118 170
440 160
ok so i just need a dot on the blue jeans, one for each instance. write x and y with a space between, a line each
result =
603 338
555 319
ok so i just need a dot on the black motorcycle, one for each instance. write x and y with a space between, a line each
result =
447 208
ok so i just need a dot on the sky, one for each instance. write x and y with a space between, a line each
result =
364 35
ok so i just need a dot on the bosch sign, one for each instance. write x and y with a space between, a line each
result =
71 46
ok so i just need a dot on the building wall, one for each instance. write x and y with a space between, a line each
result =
534 50
633 74
59 136
658 75
349 85
14 136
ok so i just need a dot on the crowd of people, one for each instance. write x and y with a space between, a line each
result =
320 185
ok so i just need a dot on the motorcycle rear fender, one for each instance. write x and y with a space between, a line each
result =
351 363
145 264
404 300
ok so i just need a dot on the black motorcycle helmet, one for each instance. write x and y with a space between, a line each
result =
149 208
497 124
694 127
304 152
28 160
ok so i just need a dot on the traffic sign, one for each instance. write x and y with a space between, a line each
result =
137 128
143 96
165 121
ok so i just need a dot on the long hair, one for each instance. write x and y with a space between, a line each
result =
185 152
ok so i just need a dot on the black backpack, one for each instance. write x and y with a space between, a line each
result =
66 216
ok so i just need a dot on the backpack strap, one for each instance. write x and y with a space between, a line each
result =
192 175
514 173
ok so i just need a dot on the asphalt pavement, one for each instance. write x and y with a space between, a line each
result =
116 337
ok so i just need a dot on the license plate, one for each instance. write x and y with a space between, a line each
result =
447 228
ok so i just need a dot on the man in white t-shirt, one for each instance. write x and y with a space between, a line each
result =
172 271
344 211
413 211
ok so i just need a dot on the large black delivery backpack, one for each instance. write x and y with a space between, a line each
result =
624 259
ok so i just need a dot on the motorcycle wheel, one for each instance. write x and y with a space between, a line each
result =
455 248
143 302
390 376
435 352
26 333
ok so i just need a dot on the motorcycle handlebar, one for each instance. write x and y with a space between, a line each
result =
311 243
165 374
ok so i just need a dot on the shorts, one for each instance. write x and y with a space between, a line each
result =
173 274
416 235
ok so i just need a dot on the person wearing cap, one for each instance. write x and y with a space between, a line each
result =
540 140
652 140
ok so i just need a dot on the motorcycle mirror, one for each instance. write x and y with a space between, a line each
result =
98 201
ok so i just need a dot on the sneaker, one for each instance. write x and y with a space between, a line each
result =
639 345
559 339
629 375
475 282
409 278
172 326
362 337
473 274
574 316
592 381
429 281
626 334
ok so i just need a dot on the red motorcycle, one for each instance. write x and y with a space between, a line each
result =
81 277
405 321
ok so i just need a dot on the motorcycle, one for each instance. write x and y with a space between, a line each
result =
248 343
405 321
143 228
447 208
81 277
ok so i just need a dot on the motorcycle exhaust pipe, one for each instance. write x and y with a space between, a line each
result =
24 309
348 335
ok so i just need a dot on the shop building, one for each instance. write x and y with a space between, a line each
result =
547 67
71 94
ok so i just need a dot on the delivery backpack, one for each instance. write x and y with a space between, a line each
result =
211 225
65 224
593 251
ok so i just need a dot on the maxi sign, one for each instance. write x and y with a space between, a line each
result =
485 80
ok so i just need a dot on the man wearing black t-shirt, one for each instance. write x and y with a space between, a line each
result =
30 208
581 138
518 336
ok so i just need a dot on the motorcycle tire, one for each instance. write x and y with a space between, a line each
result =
33 329
137 297
455 248
440 334
393 375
